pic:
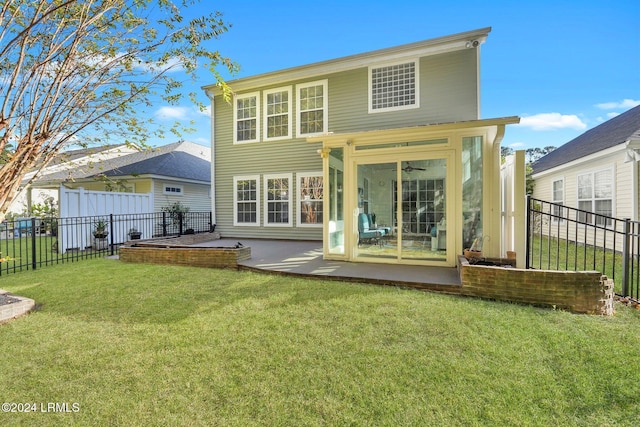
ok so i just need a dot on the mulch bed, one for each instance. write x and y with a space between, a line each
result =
7 299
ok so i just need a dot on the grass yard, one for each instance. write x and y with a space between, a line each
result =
142 345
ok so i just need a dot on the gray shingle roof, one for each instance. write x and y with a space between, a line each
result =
613 132
181 160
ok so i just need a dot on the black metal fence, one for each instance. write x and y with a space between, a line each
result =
31 243
564 238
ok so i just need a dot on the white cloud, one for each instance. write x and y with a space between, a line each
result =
176 113
552 121
517 145
624 104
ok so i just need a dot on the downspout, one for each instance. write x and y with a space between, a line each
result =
211 97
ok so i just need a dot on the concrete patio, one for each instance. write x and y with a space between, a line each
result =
304 258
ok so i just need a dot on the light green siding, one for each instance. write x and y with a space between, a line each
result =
448 93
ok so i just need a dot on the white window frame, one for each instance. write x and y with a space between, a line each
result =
325 106
288 114
237 98
593 198
255 178
416 86
557 211
179 188
289 201
301 200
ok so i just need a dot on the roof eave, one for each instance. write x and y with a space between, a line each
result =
429 47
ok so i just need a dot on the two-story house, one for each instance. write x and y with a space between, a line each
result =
381 155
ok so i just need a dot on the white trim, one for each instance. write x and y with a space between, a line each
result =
265 131
299 177
289 200
598 155
235 117
592 173
416 86
255 178
325 106
179 189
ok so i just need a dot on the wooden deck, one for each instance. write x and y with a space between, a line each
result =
304 258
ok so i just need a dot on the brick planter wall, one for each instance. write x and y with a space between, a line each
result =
177 252
578 291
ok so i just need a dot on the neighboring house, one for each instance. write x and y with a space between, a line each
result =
597 171
63 161
178 172
395 134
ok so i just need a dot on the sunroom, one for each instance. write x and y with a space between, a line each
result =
415 195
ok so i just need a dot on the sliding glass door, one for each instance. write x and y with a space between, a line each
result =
402 210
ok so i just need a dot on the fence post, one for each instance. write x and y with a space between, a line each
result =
33 243
180 217
111 234
164 224
527 261
625 256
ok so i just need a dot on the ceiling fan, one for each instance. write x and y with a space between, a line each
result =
410 168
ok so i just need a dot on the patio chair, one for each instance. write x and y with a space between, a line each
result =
385 230
365 233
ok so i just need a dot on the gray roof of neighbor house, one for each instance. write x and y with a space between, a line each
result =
182 160
618 130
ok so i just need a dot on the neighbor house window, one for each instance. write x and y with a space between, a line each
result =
246 210
173 190
277 113
595 194
310 191
393 87
558 198
277 200
246 118
312 105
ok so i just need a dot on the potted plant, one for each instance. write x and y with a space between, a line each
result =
100 234
100 229
134 234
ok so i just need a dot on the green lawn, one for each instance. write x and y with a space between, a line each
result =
142 345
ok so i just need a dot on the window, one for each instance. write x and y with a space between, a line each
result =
245 200
277 193
246 118
557 197
312 105
277 113
310 191
393 87
595 194
174 190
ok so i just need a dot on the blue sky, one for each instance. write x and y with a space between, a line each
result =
562 66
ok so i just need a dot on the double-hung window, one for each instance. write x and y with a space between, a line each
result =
277 113
312 106
310 191
277 200
394 87
558 199
246 196
595 194
246 118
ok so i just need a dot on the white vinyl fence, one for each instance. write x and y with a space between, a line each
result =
77 203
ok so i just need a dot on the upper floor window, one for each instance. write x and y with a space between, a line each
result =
246 118
312 105
393 87
277 113
595 194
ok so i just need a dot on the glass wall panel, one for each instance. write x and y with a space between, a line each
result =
471 190
336 201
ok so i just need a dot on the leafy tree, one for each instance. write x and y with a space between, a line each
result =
81 71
